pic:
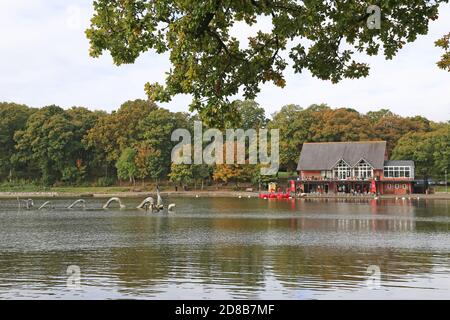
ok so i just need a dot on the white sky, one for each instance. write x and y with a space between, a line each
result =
44 60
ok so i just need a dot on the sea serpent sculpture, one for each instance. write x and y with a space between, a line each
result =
115 199
149 204
146 204
79 201
29 203
46 204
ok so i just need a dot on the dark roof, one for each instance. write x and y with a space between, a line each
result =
401 163
325 155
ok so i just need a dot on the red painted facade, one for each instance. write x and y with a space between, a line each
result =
319 181
314 183
358 177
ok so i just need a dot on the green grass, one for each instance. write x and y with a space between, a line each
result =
440 189
21 186
29 188
86 189
92 189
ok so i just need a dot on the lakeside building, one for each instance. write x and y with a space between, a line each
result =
353 167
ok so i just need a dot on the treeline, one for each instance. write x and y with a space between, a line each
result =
53 146
409 138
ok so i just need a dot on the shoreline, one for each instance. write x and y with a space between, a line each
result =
204 194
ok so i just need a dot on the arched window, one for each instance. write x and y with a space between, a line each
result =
342 170
363 170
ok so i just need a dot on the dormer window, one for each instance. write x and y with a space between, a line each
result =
363 170
342 170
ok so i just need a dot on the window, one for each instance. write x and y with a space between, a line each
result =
397 172
363 170
342 171
397 186
404 186
326 174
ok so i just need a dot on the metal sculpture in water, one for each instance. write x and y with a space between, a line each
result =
114 199
29 203
46 204
146 203
79 201
159 201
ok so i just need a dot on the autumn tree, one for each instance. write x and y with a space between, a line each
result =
117 131
391 128
295 125
324 38
181 174
444 43
142 161
342 124
226 173
376 116
249 116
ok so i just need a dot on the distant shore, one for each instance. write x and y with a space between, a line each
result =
204 194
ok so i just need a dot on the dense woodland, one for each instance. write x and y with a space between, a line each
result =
51 146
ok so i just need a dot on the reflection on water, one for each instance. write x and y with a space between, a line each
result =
228 248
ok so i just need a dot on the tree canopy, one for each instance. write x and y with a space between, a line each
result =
52 145
325 38
13 117
51 141
320 123
429 150
444 43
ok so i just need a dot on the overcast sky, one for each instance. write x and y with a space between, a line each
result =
44 60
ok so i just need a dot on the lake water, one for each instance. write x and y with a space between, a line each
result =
227 248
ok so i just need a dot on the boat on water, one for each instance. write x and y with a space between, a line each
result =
276 195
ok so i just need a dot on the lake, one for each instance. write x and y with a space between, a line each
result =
227 248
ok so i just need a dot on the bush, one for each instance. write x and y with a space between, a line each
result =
105 182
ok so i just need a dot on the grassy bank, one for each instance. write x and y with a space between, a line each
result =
441 189
87 189
164 187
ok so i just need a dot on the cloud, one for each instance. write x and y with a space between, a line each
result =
44 60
